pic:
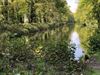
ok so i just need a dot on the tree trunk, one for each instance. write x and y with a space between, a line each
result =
26 18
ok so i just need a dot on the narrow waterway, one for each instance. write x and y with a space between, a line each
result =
76 42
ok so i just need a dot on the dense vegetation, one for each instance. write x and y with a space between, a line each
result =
88 25
34 37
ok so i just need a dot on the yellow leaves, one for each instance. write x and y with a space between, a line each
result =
19 4
19 1
88 7
84 9
1 17
38 50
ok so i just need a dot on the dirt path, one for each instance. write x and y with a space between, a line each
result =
94 63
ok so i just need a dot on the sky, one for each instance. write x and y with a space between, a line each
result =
73 5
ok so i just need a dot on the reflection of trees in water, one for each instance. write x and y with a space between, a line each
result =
56 33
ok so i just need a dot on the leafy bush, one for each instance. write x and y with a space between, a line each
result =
58 52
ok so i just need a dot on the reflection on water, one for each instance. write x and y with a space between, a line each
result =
54 34
75 40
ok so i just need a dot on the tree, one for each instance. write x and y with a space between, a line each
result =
88 18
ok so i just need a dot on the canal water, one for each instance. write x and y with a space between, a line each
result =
76 42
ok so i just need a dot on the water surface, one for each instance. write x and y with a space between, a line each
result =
76 41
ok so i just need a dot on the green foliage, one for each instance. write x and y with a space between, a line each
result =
95 41
61 6
58 53
87 20
30 31
17 11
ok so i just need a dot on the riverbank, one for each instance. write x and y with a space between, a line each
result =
94 65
